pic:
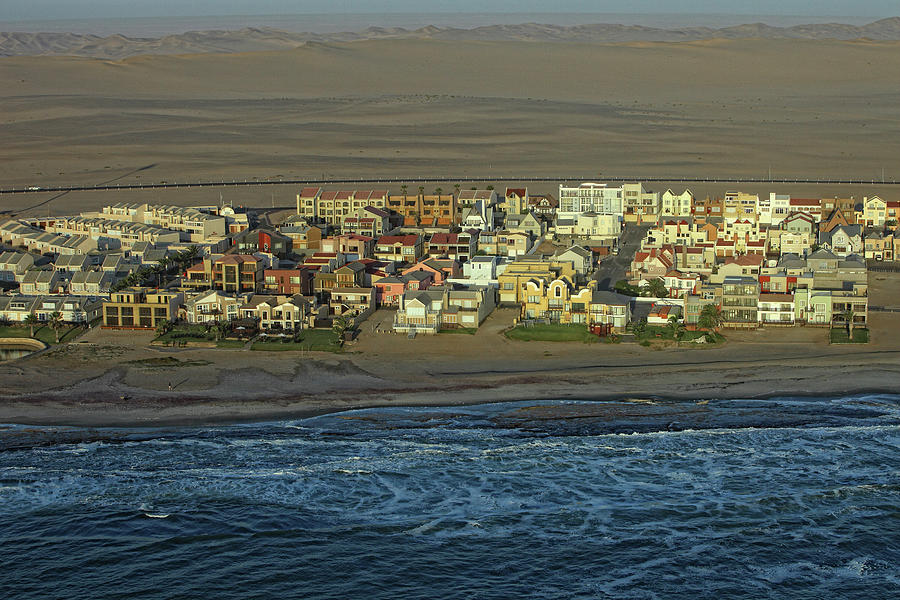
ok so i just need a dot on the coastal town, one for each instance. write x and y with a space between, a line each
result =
611 261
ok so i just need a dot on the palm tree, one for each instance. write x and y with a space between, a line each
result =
56 322
639 327
421 189
456 187
438 191
31 320
403 189
710 317
847 316
656 288
677 327
340 326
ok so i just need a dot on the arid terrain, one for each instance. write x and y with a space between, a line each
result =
427 107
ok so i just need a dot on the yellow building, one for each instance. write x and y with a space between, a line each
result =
513 280
141 308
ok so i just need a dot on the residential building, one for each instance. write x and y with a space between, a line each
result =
263 240
196 224
14 265
303 236
440 269
353 246
289 282
843 240
400 248
352 301
39 282
280 313
590 197
676 205
420 311
775 309
512 282
91 283
504 243
141 308
467 308
211 306
542 205
459 246
427 210
73 309
515 201
740 300
368 221
639 204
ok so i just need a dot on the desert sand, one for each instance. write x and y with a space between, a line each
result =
424 107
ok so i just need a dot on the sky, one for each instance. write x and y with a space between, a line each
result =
12 10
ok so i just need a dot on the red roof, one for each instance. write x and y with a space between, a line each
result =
444 238
328 195
343 195
403 240
520 192
747 260
310 192
804 202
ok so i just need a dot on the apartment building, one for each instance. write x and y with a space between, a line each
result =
597 198
141 308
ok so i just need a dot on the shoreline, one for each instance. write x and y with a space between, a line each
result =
197 410
114 380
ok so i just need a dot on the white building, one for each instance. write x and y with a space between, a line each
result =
590 197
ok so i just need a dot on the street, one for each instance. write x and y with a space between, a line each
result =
614 267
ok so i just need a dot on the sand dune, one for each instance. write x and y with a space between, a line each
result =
264 39
417 107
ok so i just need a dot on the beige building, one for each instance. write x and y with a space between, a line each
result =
141 308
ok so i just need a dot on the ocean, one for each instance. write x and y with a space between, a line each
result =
779 498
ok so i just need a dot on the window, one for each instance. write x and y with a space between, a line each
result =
557 292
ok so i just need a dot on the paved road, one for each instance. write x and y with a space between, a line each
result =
397 180
613 268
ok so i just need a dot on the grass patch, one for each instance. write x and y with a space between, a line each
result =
657 333
312 340
187 333
162 362
839 336
462 330
231 343
552 333
67 333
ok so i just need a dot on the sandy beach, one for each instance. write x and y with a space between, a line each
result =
114 378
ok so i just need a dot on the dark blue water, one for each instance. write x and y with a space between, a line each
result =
800 499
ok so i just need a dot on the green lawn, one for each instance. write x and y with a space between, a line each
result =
231 343
314 340
839 336
659 332
463 330
188 333
552 333
67 333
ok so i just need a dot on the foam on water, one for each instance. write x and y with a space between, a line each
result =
458 503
